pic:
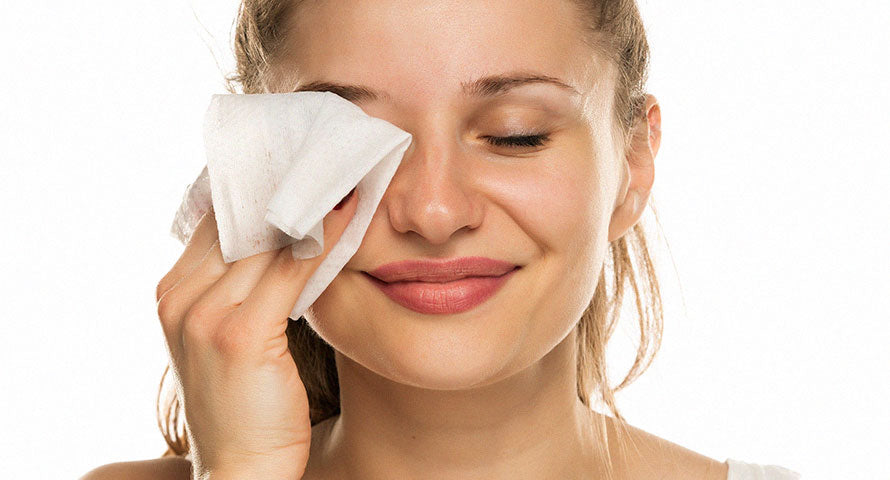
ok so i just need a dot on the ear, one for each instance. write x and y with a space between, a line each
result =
639 170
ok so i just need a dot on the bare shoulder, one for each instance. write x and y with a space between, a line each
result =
640 454
165 468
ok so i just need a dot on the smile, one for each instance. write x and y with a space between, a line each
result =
442 297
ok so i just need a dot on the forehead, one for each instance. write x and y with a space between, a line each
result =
423 50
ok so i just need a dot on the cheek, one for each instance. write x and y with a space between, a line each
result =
560 202
563 205
339 314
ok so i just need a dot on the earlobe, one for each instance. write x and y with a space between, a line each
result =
625 216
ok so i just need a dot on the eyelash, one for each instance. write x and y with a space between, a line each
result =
517 141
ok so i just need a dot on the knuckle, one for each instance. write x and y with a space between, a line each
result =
230 340
197 322
168 308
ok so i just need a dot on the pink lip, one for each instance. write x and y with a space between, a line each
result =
450 286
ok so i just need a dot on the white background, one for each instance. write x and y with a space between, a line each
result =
771 190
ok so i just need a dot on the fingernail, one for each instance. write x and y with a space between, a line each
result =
340 205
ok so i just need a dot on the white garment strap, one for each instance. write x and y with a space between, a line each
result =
739 470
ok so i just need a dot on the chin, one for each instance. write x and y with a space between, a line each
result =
420 358
463 373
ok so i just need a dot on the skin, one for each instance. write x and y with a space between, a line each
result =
489 393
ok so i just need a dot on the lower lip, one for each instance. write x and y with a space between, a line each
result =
451 297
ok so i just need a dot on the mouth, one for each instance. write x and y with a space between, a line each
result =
441 271
443 297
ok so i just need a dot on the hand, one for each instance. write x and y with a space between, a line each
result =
246 409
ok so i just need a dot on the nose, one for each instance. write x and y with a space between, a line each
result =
433 192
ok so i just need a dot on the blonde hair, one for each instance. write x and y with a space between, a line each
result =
616 30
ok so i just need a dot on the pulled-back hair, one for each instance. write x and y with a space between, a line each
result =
615 30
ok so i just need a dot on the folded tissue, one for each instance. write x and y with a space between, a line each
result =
277 163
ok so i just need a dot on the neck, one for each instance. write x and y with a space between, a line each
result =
529 425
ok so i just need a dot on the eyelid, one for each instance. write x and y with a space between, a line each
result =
519 140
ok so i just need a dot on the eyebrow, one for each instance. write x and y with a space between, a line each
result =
483 87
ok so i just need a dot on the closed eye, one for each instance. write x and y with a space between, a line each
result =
518 140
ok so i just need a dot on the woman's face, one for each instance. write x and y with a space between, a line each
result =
546 208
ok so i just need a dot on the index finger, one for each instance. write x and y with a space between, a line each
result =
267 307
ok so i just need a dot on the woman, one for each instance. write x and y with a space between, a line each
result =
534 144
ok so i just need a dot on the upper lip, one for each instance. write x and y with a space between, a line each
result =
441 270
